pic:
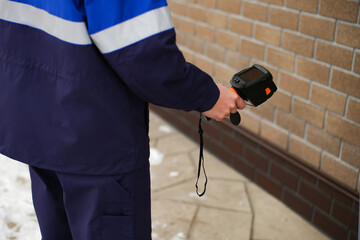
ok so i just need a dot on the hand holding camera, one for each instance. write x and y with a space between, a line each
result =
254 84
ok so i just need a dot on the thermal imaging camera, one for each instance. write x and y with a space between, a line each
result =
254 84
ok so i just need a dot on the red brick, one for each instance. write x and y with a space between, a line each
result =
219 150
268 184
212 131
231 143
244 167
297 204
283 176
256 159
335 193
353 236
345 215
329 226
272 155
301 173
315 196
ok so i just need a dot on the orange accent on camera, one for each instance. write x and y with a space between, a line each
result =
268 91
232 90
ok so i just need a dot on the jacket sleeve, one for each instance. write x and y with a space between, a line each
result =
137 39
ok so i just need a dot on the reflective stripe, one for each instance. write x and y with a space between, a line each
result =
72 32
133 30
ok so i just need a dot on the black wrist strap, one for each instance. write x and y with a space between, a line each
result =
201 161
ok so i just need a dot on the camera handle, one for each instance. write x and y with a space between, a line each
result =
235 118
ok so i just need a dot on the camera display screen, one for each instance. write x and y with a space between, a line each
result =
251 75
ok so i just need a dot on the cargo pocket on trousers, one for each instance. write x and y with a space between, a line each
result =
117 227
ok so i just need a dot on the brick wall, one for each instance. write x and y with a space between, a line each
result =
312 48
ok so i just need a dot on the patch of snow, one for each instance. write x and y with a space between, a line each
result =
156 157
165 129
174 174
178 236
17 216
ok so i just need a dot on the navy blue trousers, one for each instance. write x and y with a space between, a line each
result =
84 207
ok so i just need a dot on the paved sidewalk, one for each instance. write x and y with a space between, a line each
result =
233 207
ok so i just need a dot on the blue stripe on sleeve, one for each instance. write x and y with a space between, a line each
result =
72 10
104 14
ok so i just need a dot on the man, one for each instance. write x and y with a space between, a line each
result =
76 77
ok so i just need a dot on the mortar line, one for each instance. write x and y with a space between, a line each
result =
192 222
252 211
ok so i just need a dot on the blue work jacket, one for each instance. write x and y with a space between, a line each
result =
76 77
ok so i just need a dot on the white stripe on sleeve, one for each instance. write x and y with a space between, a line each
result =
133 30
69 31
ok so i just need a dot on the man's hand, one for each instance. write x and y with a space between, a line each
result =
227 103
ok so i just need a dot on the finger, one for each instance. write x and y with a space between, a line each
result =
234 109
240 103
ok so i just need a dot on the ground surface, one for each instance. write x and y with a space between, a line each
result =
232 209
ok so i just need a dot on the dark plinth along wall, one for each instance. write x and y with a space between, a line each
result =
323 201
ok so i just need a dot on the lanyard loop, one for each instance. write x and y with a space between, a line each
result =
201 161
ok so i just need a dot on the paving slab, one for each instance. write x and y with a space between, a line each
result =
220 224
173 169
175 143
233 207
171 219
220 194
274 220
216 169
